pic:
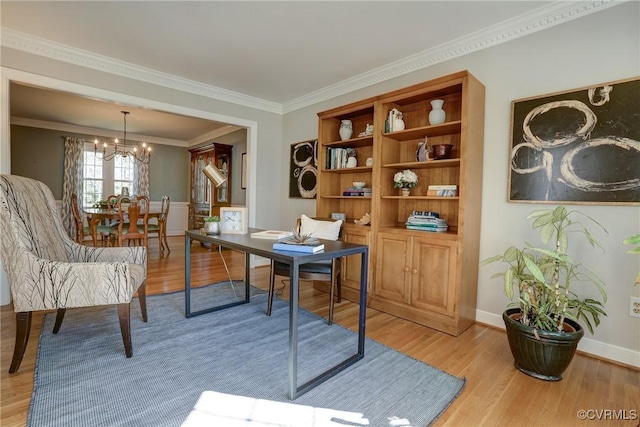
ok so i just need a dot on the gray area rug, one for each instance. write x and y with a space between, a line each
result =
233 358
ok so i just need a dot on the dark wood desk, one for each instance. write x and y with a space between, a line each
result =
261 247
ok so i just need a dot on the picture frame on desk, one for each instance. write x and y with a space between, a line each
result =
234 220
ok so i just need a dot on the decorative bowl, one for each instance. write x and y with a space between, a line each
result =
359 184
442 151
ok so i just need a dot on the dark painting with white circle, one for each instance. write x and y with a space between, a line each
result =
303 178
581 146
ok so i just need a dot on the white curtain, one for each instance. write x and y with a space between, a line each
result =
72 180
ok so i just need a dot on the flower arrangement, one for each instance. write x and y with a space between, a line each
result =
405 179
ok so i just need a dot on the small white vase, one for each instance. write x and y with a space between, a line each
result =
212 227
398 124
437 114
405 192
346 129
352 162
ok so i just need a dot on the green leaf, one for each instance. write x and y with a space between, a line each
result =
508 283
533 268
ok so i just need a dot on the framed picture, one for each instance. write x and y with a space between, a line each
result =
580 146
243 172
234 220
303 178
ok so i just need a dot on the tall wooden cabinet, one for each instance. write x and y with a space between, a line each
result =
219 155
429 278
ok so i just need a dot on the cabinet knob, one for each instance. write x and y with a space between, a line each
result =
406 269
414 271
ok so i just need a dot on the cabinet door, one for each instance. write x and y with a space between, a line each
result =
351 264
434 275
393 270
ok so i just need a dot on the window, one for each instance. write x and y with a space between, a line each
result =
102 178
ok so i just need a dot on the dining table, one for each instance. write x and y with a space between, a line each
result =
101 215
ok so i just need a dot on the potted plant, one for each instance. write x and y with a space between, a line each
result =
543 328
405 180
212 224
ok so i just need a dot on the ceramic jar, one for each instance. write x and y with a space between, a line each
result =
346 129
437 114
352 162
212 227
405 192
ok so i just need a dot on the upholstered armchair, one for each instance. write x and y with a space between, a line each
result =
49 271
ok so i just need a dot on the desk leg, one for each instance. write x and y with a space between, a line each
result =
294 294
187 276
187 285
294 390
247 277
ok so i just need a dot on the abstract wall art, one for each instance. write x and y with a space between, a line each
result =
580 146
303 178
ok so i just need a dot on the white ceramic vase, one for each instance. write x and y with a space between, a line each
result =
437 114
346 129
352 162
405 192
212 227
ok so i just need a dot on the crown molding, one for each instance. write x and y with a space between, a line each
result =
540 19
95 132
216 133
42 47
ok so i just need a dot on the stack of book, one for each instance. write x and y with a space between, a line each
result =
442 190
419 221
311 245
271 234
357 191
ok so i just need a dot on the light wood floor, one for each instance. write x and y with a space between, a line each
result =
496 394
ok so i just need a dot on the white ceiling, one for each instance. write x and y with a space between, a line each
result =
274 54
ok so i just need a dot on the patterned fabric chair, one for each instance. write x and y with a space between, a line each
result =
48 270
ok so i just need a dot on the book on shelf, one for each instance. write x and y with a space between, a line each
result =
271 234
298 247
442 193
442 187
431 229
355 191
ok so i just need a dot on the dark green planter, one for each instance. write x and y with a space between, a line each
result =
545 357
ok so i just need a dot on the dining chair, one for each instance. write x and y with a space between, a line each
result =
160 228
326 271
47 270
134 224
81 229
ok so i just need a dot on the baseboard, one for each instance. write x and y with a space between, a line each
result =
600 350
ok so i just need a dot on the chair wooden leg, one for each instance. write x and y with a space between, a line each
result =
59 318
272 285
142 299
332 292
163 236
125 328
23 327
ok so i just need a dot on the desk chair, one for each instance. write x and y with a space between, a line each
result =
47 270
326 271
136 227
81 230
161 227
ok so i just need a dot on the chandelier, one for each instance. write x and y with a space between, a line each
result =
143 154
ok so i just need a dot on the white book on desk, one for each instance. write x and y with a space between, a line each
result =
271 234
292 247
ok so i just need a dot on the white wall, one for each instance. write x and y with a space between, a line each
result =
597 48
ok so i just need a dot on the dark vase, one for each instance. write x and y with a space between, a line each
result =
546 356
